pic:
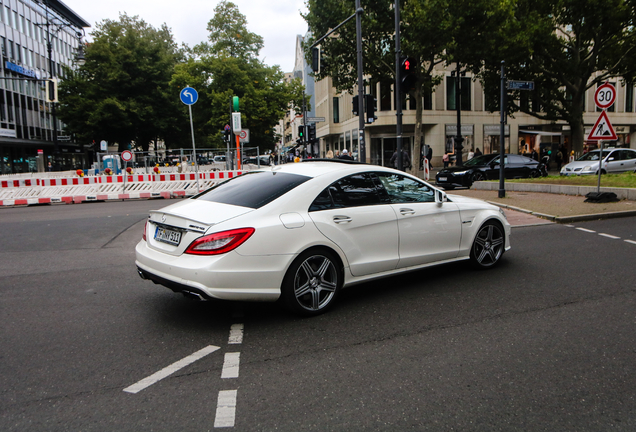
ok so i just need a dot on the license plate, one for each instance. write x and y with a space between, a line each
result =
168 236
442 179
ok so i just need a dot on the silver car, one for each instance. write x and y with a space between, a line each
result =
615 160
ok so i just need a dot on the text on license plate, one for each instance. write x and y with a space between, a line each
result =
168 236
443 179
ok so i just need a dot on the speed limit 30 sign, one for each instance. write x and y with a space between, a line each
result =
605 96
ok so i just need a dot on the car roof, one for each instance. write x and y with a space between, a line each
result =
316 168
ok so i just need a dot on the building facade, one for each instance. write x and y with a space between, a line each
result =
31 137
479 127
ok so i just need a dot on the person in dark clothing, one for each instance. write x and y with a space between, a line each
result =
534 155
345 155
406 160
429 156
477 152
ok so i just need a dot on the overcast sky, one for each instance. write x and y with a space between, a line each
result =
278 21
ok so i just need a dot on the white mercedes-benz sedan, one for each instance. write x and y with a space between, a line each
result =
301 232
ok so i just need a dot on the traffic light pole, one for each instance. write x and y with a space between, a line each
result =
397 89
362 153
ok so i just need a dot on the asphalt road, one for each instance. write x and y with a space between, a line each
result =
544 342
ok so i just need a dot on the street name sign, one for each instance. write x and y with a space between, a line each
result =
189 96
315 119
520 85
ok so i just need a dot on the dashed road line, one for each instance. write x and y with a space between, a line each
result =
226 409
231 365
236 334
609 236
169 370
586 230
631 241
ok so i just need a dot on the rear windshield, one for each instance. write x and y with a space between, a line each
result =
254 189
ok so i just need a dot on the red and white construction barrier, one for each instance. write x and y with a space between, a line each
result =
34 191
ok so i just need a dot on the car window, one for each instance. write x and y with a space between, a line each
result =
352 191
515 159
593 155
402 189
629 154
254 189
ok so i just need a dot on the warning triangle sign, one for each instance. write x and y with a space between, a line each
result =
603 129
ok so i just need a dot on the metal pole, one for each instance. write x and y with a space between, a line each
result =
398 90
502 131
458 102
362 153
600 167
196 165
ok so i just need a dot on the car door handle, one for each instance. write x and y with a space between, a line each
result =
407 211
341 219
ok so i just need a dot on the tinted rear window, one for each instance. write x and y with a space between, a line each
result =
253 190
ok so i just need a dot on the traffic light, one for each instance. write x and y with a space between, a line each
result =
355 106
51 90
315 59
369 106
311 133
301 131
408 79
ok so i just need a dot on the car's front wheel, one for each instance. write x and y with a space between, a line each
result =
535 174
312 283
488 246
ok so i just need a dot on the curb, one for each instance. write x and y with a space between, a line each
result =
568 219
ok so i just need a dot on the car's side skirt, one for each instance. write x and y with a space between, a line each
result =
352 280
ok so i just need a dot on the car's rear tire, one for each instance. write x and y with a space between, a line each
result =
488 246
312 283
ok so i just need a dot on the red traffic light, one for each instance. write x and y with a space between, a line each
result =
407 65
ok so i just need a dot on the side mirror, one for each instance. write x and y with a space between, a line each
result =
440 196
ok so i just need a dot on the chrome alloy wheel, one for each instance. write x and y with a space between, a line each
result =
488 246
315 283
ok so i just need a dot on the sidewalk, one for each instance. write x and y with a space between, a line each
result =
530 208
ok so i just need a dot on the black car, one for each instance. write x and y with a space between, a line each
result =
486 167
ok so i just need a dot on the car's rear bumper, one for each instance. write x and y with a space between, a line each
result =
227 277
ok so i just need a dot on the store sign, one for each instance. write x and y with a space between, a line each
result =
467 130
495 130
7 133
21 70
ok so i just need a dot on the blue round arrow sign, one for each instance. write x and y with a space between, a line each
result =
189 96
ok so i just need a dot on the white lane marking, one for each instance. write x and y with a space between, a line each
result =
586 230
225 409
569 226
231 365
236 334
609 236
169 370
631 241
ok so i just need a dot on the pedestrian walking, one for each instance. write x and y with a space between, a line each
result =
471 154
345 155
446 159
406 160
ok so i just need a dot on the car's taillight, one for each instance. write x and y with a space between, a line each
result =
219 243
145 228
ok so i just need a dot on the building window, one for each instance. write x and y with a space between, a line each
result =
427 93
629 97
466 93
385 96
336 110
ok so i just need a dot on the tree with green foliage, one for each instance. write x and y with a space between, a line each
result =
121 94
229 66
566 47
433 32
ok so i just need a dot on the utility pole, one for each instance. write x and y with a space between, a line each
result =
458 102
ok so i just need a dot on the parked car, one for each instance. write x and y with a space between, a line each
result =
219 159
302 232
486 167
264 160
615 160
